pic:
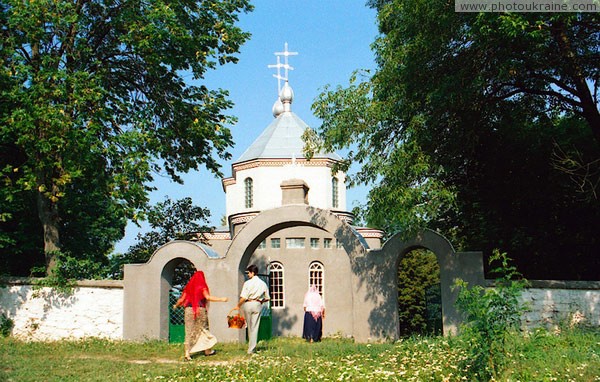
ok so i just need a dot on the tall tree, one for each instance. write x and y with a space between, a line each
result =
179 220
90 225
478 125
99 86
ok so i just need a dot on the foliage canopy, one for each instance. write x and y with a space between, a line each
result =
96 92
484 127
179 220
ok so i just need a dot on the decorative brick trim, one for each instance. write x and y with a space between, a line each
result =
216 235
228 181
282 162
345 216
243 218
370 233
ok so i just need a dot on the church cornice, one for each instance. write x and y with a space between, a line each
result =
274 162
225 182
369 232
280 162
215 235
242 217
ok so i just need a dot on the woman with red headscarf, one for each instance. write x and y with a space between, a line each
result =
314 313
195 298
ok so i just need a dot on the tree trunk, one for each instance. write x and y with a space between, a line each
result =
48 214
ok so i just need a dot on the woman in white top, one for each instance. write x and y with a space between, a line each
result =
314 313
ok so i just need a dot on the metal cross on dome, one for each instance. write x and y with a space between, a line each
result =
285 65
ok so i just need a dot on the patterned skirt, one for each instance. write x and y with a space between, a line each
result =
197 336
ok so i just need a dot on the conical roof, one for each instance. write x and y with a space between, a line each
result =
282 139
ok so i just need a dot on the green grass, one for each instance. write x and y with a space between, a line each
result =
571 356
542 356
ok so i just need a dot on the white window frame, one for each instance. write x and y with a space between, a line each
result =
314 242
316 277
277 272
248 193
335 200
275 240
295 242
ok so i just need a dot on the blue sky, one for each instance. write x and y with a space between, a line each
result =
332 38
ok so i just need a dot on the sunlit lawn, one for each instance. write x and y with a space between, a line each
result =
543 357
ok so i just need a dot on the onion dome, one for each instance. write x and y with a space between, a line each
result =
287 96
278 108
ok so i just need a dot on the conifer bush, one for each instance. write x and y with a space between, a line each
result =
6 325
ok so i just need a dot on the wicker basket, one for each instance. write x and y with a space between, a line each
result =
236 321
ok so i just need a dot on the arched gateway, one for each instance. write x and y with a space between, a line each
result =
360 286
287 213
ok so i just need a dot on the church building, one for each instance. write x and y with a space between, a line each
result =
273 173
287 215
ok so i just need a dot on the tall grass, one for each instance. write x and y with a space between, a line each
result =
542 356
572 355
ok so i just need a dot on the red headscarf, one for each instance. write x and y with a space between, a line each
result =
194 291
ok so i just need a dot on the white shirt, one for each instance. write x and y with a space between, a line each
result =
255 289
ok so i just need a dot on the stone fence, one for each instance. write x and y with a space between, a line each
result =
552 304
95 308
91 309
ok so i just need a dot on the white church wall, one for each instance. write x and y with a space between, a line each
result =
267 191
43 314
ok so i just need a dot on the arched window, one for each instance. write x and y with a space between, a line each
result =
334 193
276 285
248 192
316 276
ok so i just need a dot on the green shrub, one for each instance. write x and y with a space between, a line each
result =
59 279
6 325
491 314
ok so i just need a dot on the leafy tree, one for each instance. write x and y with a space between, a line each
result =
419 299
20 242
479 126
90 225
179 220
96 90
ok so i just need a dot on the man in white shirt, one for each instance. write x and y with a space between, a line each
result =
254 293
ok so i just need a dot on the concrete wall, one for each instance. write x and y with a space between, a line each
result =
93 309
355 301
146 297
380 274
288 320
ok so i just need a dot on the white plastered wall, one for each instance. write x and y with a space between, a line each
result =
267 191
46 315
